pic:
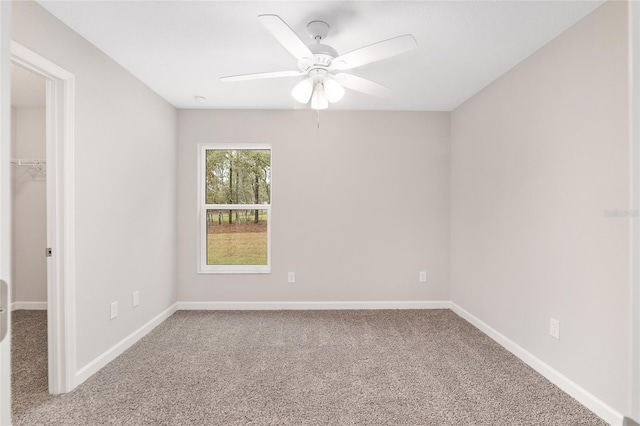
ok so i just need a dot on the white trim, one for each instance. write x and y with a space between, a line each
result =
282 306
116 350
29 306
236 146
60 216
580 394
634 132
583 396
5 205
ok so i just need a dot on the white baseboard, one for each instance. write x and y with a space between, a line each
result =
112 353
594 404
31 306
283 306
587 399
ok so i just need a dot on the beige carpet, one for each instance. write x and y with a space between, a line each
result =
29 386
298 368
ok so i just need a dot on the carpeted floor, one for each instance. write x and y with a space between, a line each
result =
400 367
29 381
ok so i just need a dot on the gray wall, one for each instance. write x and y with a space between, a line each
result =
125 175
359 205
28 139
537 158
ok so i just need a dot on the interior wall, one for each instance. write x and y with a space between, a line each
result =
125 185
360 205
541 204
29 206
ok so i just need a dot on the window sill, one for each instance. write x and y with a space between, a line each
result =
239 270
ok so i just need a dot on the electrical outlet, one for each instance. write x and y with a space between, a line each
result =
114 309
291 277
136 298
554 328
422 277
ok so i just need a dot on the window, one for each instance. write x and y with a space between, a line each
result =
235 208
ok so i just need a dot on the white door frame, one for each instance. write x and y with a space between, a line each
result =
61 308
5 204
634 118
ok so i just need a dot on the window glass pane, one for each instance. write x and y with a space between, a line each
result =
240 176
237 237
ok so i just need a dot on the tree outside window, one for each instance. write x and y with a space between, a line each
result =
236 208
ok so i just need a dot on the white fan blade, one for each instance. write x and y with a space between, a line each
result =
374 52
363 85
261 75
286 36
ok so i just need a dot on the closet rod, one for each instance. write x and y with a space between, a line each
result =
27 162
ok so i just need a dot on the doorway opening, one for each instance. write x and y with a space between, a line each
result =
56 170
29 378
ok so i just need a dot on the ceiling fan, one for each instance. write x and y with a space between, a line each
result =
325 82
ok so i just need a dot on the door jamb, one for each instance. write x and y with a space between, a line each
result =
61 311
5 205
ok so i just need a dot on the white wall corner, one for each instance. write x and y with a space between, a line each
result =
583 396
112 353
283 306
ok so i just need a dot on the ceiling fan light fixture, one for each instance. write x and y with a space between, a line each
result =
319 98
325 82
333 90
302 91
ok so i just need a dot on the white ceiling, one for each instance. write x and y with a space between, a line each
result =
28 90
181 48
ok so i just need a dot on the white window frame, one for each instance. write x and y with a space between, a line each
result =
203 268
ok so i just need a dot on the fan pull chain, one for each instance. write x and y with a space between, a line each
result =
318 118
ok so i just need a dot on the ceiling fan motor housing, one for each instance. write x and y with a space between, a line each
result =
318 75
318 29
322 54
322 57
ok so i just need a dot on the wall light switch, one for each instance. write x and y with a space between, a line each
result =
291 277
136 298
423 277
554 328
114 309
